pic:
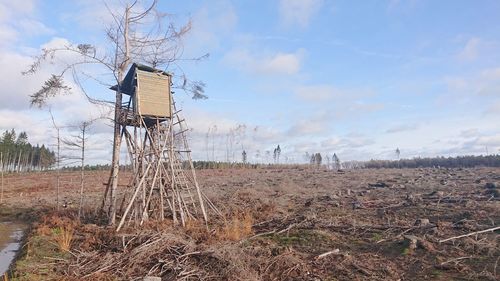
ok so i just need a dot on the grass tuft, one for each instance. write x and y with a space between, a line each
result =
63 236
236 228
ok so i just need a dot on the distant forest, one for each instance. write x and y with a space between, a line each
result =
445 162
18 155
434 162
334 163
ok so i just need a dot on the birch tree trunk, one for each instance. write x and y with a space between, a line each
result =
1 176
58 176
117 129
82 172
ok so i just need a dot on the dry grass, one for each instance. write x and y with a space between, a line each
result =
59 229
63 237
236 228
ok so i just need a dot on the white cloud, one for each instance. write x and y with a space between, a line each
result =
491 74
247 136
281 63
471 50
318 93
30 27
303 136
360 107
277 63
348 103
346 142
324 92
469 133
493 141
298 12
479 145
14 9
402 128
210 24
16 88
493 109
7 34
307 128
93 14
16 18
15 111
456 83
483 83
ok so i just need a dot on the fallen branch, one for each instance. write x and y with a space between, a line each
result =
470 234
333 252
275 231
287 229
455 260
362 270
258 235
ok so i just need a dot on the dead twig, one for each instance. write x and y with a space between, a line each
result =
495 267
470 234
362 270
455 260
332 252
258 235
287 229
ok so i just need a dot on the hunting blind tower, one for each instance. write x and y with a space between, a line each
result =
163 180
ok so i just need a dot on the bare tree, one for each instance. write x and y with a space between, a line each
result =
79 142
257 155
336 162
244 157
234 137
276 154
1 177
58 159
318 159
207 140
230 139
136 35
214 135
241 131
398 153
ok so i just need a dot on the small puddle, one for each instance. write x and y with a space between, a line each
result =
11 235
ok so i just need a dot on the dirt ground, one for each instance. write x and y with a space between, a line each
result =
280 224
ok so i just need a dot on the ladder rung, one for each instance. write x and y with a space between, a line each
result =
178 122
181 132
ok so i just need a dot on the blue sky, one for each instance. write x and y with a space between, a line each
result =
358 78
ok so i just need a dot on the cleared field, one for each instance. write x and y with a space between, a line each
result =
282 224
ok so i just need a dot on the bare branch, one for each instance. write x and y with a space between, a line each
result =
51 88
143 14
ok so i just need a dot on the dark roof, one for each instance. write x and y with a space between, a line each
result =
128 83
